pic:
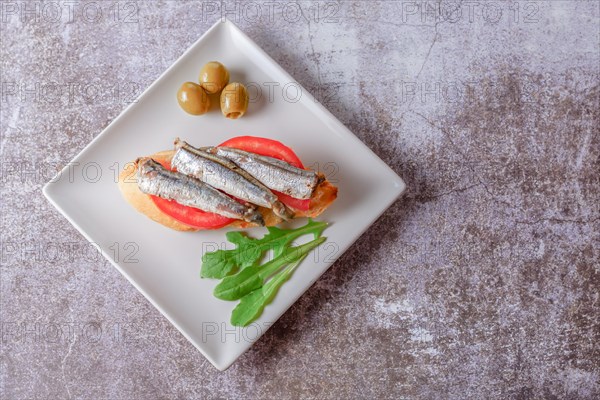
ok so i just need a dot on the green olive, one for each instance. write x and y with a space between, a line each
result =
214 77
193 99
234 100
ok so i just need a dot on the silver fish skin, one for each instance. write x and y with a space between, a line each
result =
275 174
154 179
223 174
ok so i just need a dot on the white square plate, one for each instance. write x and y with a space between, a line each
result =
163 264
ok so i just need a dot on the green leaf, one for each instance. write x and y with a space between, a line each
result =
234 287
221 263
251 306
249 279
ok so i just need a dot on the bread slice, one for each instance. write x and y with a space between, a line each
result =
325 193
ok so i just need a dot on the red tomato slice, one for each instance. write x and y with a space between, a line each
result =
205 220
189 215
275 149
164 162
264 147
298 204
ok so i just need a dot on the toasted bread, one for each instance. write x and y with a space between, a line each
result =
325 193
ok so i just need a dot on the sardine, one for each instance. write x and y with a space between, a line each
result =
273 173
156 180
225 175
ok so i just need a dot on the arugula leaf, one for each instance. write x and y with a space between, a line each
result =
249 279
251 306
218 264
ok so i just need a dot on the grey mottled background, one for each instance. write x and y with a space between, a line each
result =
482 282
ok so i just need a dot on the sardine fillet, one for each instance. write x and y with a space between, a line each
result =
153 178
273 173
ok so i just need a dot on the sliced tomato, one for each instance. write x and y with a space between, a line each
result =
206 220
164 162
191 216
298 204
188 215
275 149
264 147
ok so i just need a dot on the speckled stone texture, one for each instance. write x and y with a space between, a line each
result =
481 283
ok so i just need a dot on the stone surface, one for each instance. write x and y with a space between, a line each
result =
482 282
